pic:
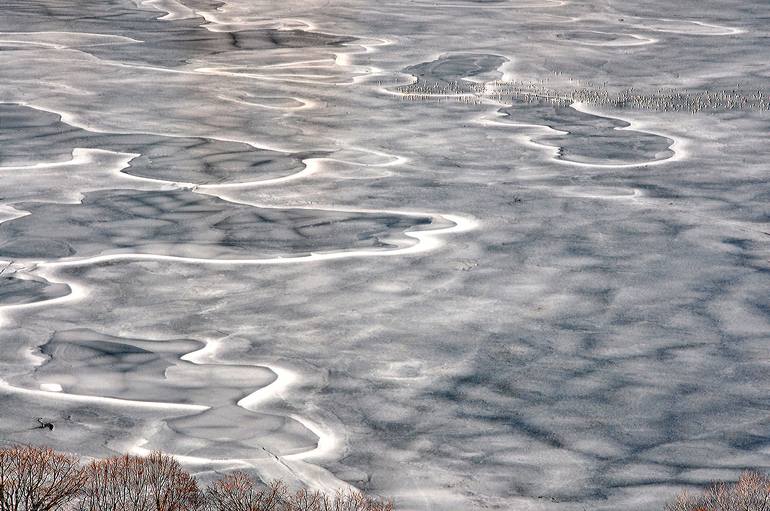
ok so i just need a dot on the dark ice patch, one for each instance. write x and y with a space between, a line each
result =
186 224
29 136
452 69
90 363
590 139
166 43
15 291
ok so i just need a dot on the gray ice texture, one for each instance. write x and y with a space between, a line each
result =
227 232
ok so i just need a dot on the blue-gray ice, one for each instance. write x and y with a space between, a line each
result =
308 239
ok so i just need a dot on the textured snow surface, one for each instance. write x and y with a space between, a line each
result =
228 233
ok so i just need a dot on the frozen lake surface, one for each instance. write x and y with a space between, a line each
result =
490 254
